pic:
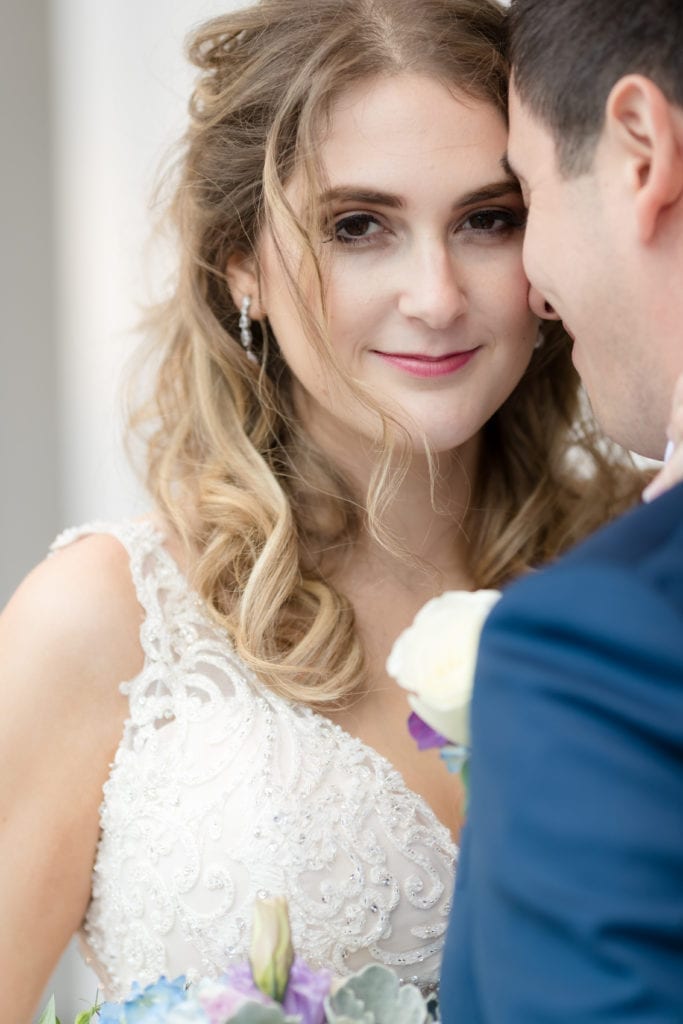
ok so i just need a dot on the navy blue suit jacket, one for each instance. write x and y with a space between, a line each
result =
569 897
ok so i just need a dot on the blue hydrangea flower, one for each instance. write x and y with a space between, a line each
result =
145 1006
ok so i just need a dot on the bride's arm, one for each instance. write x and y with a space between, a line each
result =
67 638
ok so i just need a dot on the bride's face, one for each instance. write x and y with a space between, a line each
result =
427 302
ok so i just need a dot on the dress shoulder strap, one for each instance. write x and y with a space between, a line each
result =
174 616
143 543
161 589
131 533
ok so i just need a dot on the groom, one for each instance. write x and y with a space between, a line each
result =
569 899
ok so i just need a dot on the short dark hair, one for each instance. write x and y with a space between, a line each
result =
568 54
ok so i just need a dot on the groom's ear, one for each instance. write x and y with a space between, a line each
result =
645 131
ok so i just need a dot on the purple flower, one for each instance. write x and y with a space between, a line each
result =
239 978
306 992
423 734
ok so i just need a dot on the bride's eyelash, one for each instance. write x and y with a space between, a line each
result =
350 222
509 220
359 229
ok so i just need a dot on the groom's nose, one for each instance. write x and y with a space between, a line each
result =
540 306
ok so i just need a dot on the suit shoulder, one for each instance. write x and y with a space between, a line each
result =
579 648
598 591
638 537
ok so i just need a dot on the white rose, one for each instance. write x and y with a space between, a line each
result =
434 659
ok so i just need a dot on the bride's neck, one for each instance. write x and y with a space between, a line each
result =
423 521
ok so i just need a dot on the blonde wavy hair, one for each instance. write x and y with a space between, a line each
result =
254 500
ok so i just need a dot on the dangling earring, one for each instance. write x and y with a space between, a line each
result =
246 336
540 340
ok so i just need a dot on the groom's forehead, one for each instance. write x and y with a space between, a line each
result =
530 141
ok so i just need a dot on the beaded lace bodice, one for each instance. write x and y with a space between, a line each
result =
221 792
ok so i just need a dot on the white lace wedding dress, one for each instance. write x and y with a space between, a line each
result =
222 792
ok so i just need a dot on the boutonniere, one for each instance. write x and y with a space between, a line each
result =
434 659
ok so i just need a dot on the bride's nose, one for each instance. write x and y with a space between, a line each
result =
432 291
540 306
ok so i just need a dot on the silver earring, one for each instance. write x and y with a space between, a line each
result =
540 340
246 336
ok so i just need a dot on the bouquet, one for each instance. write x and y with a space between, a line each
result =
273 987
435 659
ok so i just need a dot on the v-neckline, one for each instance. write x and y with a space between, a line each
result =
157 534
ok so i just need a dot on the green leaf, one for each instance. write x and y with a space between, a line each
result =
49 1016
257 1013
465 776
87 1015
374 996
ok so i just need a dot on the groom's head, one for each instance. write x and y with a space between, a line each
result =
596 137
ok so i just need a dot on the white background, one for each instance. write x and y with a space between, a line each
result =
92 96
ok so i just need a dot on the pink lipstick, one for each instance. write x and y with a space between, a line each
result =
428 366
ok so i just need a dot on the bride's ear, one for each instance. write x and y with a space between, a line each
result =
243 280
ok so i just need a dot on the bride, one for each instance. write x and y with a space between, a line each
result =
355 408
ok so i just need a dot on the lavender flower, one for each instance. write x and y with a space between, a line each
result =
239 979
306 993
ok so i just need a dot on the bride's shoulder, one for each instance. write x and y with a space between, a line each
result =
68 637
73 624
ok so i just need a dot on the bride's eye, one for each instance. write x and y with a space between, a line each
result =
494 222
356 228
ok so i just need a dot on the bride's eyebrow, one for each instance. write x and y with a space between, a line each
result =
360 194
496 190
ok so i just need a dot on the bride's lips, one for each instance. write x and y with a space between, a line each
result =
428 366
